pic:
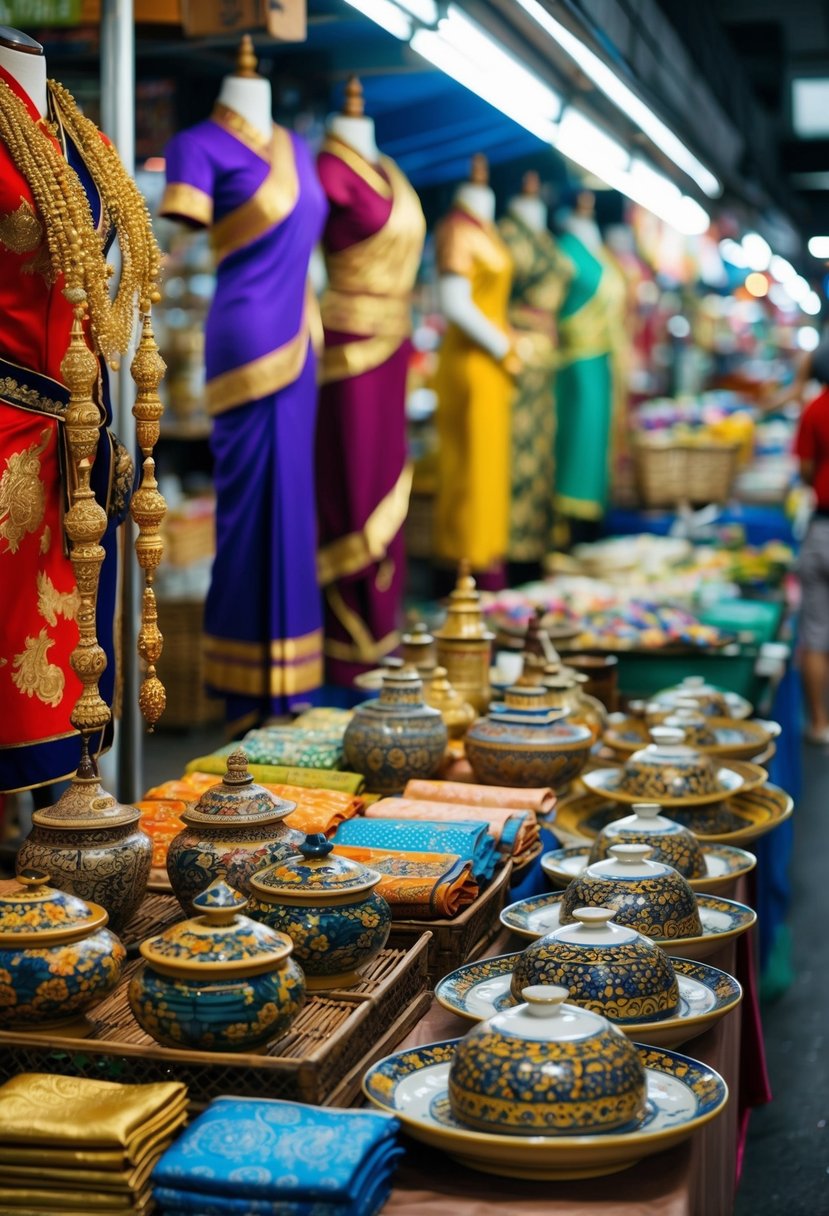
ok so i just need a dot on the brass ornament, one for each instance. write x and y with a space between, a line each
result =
464 643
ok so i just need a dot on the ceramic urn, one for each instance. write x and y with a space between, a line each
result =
523 742
396 737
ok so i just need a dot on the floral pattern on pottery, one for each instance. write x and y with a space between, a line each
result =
672 844
667 768
612 970
576 1073
525 743
397 737
649 897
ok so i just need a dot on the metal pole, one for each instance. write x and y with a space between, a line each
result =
118 121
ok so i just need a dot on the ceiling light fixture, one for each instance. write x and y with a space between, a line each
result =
757 251
819 247
388 16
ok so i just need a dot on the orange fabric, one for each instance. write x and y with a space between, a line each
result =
539 800
495 817
162 822
418 886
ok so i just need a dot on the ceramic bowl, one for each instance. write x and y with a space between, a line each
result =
714 702
57 958
667 767
644 894
672 844
522 742
609 968
546 1068
397 736
218 982
694 724
328 907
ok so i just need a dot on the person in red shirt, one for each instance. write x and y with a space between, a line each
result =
812 450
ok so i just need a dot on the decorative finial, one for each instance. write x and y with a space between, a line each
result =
353 106
237 769
246 61
479 174
531 184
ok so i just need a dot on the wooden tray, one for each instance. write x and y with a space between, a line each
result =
321 1059
465 937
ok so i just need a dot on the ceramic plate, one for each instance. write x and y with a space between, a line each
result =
477 990
723 862
722 921
740 820
738 777
413 1085
735 739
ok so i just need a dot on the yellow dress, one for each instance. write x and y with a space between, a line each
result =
474 400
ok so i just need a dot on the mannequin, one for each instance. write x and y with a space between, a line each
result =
372 246
581 221
253 184
539 281
23 59
474 385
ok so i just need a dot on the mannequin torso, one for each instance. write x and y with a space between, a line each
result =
584 229
358 133
480 200
455 291
26 62
530 211
251 98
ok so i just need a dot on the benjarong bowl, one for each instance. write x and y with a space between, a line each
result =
396 737
546 1068
667 768
694 726
672 844
523 742
611 969
646 895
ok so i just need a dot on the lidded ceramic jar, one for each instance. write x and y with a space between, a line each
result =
397 736
234 829
609 968
694 726
711 700
328 907
439 694
523 742
57 958
672 844
217 982
547 1068
418 648
647 895
668 768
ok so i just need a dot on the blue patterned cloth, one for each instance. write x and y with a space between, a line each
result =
468 838
249 1156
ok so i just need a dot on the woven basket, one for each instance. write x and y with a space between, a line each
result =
669 473
181 668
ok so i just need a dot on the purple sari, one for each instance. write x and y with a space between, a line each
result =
263 643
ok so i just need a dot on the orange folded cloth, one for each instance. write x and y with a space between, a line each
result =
418 886
161 820
514 830
539 800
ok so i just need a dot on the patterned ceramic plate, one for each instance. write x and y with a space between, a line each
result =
723 862
722 921
477 990
735 739
738 821
413 1085
738 777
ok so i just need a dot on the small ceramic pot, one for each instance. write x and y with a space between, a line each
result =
564 693
672 844
57 959
611 969
396 737
218 982
440 695
694 726
646 895
667 768
234 830
523 742
546 1068
328 907
711 701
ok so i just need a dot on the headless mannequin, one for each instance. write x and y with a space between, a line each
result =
23 59
528 206
247 93
354 127
581 222
455 291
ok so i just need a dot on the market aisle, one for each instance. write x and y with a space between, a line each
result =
787 1158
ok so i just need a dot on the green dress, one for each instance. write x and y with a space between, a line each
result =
540 280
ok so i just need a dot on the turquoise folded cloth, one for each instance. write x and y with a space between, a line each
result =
272 1158
468 838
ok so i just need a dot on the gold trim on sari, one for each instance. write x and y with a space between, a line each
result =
345 312
278 650
364 648
244 131
352 553
355 358
187 202
585 333
362 167
275 198
276 680
261 377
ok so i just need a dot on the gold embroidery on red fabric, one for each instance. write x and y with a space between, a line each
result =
22 494
52 603
21 394
34 675
46 539
21 231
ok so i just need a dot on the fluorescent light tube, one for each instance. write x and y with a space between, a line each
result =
819 246
386 15
733 253
782 270
425 10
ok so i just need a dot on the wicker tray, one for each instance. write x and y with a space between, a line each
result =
467 936
321 1059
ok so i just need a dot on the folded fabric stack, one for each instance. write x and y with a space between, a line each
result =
514 833
293 745
325 717
246 1156
161 820
471 841
280 774
68 1144
541 801
418 886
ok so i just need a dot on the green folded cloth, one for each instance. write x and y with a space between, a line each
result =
291 745
279 774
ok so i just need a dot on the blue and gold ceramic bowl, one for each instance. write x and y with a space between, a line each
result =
672 844
668 768
57 959
328 907
397 736
611 969
646 895
523 742
218 982
546 1068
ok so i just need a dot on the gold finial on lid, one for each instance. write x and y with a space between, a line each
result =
237 769
353 105
246 61
531 184
479 175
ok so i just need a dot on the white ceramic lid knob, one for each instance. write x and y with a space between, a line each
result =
544 1000
631 854
647 810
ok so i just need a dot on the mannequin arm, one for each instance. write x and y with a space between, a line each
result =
455 296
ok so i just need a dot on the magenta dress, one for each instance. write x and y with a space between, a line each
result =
372 242
265 209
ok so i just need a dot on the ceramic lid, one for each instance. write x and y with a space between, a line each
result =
646 817
238 799
35 914
629 861
687 717
594 927
465 617
526 705
317 873
219 943
400 694
667 747
545 1018
85 805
